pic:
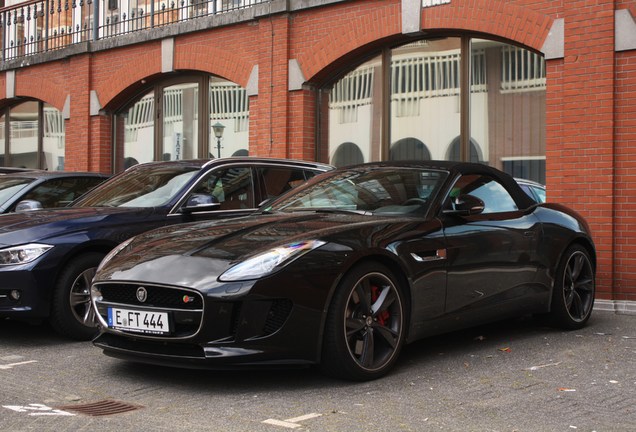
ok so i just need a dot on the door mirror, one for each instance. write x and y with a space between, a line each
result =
465 205
28 205
201 202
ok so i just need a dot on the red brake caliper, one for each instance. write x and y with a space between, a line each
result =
383 316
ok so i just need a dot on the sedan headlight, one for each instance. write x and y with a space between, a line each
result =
268 262
22 254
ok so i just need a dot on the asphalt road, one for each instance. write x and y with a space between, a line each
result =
512 376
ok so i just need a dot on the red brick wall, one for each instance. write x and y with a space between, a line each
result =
591 93
625 178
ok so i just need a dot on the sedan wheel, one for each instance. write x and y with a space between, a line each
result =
71 312
574 289
365 325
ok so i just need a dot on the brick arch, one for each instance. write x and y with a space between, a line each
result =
41 83
358 29
199 58
499 18
222 62
129 74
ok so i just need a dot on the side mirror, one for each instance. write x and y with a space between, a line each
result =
201 202
466 205
28 205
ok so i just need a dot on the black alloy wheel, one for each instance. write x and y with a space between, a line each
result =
575 286
365 324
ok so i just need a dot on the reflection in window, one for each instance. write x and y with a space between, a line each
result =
174 129
509 119
495 197
347 154
529 168
409 149
455 155
33 136
503 109
354 115
53 139
425 90
229 106
521 69
139 129
23 135
180 121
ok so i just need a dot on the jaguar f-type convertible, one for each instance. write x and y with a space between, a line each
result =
344 270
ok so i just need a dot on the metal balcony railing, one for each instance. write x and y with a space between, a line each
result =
35 27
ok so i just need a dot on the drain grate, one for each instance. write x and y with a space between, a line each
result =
101 408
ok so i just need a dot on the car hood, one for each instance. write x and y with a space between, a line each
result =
40 225
195 255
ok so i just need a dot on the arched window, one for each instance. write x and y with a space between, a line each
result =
457 90
453 153
347 154
409 149
165 122
32 136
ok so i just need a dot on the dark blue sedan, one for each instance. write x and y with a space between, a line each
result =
44 189
48 258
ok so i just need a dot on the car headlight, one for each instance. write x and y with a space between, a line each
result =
268 262
22 254
110 255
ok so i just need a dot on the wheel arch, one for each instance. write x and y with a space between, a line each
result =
102 247
585 243
393 264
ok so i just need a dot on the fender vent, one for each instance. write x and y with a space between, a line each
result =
101 408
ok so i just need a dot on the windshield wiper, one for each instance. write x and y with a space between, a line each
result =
336 210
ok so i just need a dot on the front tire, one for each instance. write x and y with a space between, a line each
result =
574 289
71 311
365 327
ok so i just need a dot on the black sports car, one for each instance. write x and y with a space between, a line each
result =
48 257
344 270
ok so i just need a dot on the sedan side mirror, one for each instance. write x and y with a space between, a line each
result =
28 205
201 202
466 205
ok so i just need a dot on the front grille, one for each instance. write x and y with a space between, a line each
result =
161 297
184 306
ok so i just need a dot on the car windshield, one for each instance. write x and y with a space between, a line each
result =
9 186
139 187
366 191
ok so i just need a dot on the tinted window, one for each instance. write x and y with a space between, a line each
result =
381 191
232 187
278 180
10 186
61 192
495 197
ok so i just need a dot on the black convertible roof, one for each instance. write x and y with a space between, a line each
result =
458 168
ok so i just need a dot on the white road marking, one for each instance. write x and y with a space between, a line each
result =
291 423
38 410
10 365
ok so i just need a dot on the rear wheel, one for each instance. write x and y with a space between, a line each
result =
71 311
365 326
574 288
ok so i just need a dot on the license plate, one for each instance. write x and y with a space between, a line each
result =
149 322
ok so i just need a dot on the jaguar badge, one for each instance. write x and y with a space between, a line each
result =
142 294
